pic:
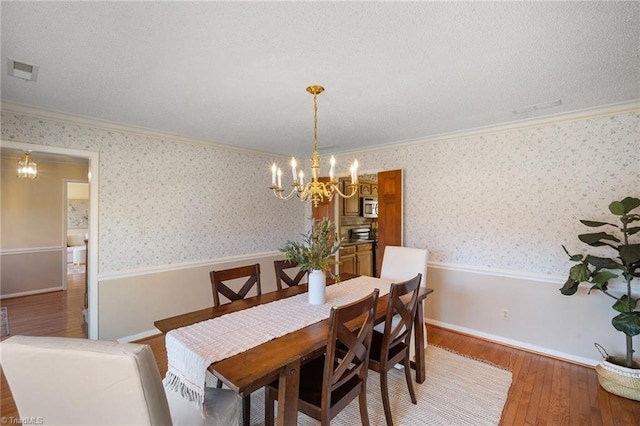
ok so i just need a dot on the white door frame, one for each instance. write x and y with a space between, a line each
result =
92 261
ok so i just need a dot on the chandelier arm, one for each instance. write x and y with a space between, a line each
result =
278 193
354 191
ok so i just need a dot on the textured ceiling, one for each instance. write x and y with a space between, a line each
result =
236 73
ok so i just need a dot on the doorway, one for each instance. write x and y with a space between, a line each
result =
76 224
92 245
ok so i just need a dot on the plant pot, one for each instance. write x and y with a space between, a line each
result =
619 380
317 287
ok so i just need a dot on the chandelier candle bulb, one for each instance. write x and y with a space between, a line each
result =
301 174
332 171
293 168
355 172
279 178
274 170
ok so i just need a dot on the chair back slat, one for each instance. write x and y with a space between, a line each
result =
403 303
220 287
357 342
282 276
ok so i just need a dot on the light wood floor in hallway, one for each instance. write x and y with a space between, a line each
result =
545 391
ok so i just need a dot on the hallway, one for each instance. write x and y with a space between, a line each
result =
58 313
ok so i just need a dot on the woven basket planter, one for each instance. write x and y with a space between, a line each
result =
619 380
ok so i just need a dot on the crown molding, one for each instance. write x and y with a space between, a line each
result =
601 111
43 113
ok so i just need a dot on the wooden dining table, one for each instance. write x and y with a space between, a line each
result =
282 357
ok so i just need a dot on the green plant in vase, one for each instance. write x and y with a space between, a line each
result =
598 271
318 248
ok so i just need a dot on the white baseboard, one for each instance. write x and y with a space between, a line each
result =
516 344
29 293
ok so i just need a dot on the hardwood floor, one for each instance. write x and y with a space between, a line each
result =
544 391
58 313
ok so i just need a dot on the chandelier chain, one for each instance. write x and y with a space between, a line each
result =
315 123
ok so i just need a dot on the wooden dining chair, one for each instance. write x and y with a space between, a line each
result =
329 384
218 279
392 346
282 276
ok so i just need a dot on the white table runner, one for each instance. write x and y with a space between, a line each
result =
192 349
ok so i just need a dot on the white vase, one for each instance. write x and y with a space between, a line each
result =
317 287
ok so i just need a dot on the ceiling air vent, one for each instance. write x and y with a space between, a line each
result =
537 107
22 70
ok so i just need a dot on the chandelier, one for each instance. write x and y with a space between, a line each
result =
27 168
314 190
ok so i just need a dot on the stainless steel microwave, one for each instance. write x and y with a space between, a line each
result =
369 207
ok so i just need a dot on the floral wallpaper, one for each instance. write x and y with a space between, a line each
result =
164 202
77 213
509 200
505 200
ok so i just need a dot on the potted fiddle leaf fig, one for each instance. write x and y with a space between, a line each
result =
315 254
618 375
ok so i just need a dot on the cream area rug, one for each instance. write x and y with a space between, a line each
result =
458 391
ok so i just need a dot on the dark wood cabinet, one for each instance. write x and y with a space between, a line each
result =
368 189
357 259
348 260
350 206
364 259
365 189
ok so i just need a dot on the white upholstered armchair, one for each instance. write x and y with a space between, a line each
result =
66 381
401 264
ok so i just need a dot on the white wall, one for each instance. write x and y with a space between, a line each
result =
494 208
77 191
131 302
164 201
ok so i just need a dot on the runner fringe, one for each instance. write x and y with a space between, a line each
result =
173 382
